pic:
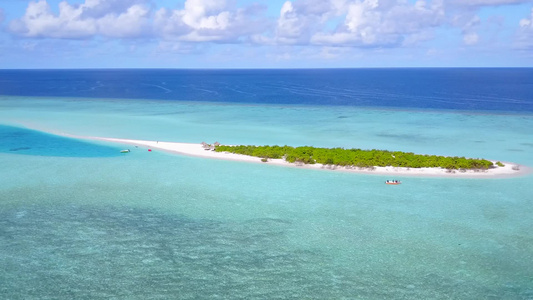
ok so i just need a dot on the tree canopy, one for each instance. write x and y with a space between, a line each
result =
356 157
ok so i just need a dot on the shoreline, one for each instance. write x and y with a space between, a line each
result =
197 150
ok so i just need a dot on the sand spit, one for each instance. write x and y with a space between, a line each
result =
509 170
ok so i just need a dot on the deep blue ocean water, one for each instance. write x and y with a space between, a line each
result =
79 220
487 89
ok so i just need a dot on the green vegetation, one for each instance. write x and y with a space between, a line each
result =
499 164
356 157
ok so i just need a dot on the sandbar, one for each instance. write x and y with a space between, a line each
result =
190 149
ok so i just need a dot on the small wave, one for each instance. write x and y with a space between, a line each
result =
160 87
240 92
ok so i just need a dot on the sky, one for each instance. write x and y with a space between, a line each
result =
265 34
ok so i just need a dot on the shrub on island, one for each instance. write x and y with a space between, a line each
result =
357 157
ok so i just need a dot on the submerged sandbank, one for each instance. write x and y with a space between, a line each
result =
508 170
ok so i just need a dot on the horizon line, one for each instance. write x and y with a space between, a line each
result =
262 68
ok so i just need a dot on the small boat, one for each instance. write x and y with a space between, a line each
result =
125 151
393 182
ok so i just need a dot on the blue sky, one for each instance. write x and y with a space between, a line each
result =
265 34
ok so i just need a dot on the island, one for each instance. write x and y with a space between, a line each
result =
376 162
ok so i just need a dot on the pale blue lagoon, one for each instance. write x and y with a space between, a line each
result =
91 223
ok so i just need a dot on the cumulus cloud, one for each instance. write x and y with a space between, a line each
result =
133 22
101 8
365 23
206 14
383 23
113 18
209 20
325 23
299 20
197 21
290 27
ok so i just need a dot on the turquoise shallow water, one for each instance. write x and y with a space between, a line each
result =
157 225
17 140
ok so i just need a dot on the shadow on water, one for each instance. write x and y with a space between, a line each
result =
16 140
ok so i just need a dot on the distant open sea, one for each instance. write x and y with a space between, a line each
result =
498 90
80 220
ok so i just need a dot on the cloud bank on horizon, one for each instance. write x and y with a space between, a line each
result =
240 33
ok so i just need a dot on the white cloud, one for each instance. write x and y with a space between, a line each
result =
288 23
133 22
469 25
100 8
299 20
525 33
487 2
383 23
527 24
169 22
366 23
471 38
39 21
292 28
475 31
206 14
95 17
296 22
327 24
208 20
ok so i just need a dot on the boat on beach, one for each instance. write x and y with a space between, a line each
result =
393 182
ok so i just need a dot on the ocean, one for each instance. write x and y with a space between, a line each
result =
80 220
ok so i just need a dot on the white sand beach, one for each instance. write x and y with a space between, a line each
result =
508 170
